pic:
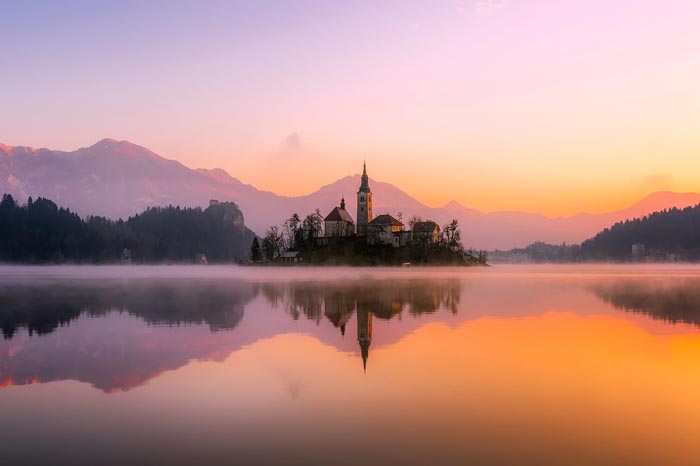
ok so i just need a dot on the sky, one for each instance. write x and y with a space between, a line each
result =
542 106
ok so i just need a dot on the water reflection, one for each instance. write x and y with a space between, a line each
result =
91 330
338 302
669 300
384 300
44 308
466 369
118 334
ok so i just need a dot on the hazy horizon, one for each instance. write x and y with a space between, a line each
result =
529 106
330 182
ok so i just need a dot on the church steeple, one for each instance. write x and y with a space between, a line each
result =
364 334
364 349
342 203
364 203
364 184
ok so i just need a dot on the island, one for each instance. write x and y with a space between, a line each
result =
337 239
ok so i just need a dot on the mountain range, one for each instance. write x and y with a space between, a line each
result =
117 179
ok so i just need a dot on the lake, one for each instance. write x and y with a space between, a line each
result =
215 365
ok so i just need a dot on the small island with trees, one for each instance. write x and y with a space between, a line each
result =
382 240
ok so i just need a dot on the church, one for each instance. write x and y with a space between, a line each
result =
383 229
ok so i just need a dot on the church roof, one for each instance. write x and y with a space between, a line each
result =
339 215
386 219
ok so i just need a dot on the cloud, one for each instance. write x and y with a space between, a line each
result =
657 181
488 7
480 7
291 145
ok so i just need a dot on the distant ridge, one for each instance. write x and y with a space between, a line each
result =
118 178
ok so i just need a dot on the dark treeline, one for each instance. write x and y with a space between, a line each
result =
673 231
672 234
41 232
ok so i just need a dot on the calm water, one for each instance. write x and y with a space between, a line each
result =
208 366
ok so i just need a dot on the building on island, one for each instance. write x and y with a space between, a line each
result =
339 222
127 256
382 230
364 203
385 229
291 257
425 233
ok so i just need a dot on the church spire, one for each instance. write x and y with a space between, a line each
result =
342 203
364 184
364 334
364 349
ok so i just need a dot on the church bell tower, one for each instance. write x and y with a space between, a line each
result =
364 333
364 203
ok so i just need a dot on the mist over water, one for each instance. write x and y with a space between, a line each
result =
593 364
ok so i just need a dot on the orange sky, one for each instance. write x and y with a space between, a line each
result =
500 105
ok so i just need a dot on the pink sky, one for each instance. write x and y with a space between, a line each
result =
545 106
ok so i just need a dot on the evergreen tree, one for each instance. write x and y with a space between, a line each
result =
255 254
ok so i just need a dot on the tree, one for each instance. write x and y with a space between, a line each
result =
415 219
452 236
40 231
255 254
291 230
272 243
313 223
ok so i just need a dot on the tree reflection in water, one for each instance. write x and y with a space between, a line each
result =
42 308
114 355
674 300
338 302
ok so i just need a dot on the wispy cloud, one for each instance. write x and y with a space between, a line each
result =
480 8
657 182
488 7
291 145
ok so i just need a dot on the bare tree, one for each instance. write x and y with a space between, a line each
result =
415 219
291 228
272 243
452 236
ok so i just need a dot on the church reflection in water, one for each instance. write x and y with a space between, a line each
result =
366 301
340 311
118 334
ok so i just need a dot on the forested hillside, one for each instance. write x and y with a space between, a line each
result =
41 232
674 231
667 235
